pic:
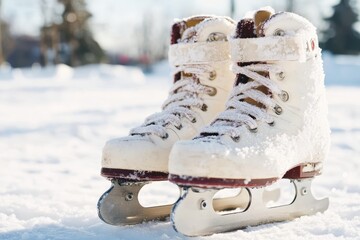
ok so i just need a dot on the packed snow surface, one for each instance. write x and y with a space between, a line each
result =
54 123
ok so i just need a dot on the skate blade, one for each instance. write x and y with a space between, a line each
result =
120 205
198 204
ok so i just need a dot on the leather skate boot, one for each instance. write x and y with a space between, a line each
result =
200 55
275 126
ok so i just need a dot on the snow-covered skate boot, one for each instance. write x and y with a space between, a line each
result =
200 55
275 126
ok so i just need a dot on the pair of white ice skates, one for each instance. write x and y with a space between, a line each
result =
247 108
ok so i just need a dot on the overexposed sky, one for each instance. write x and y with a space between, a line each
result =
116 23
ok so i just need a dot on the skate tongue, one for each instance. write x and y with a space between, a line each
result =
197 29
190 33
252 28
200 29
181 29
260 17
244 29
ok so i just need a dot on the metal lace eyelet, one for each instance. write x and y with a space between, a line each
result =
194 120
204 107
253 130
216 36
236 138
279 32
278 110
280 75
284 96
271 124
165 136
179 127
212 75
212 92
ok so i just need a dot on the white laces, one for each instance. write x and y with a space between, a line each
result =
238 112
182 97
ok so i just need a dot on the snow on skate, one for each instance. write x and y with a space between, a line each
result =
200 56
274 126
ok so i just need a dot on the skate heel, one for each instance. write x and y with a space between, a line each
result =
305 170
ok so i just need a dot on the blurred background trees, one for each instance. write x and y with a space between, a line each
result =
6 41
78 32
341 37
70 41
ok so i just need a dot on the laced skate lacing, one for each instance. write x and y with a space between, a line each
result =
239 112
182 97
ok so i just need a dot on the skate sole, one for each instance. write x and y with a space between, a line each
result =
133 175
305 170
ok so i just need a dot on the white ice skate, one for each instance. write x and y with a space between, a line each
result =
275 126
200 55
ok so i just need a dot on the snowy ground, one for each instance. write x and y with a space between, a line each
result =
54 124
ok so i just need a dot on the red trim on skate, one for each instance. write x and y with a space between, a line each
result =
133 175
204 182
297 172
